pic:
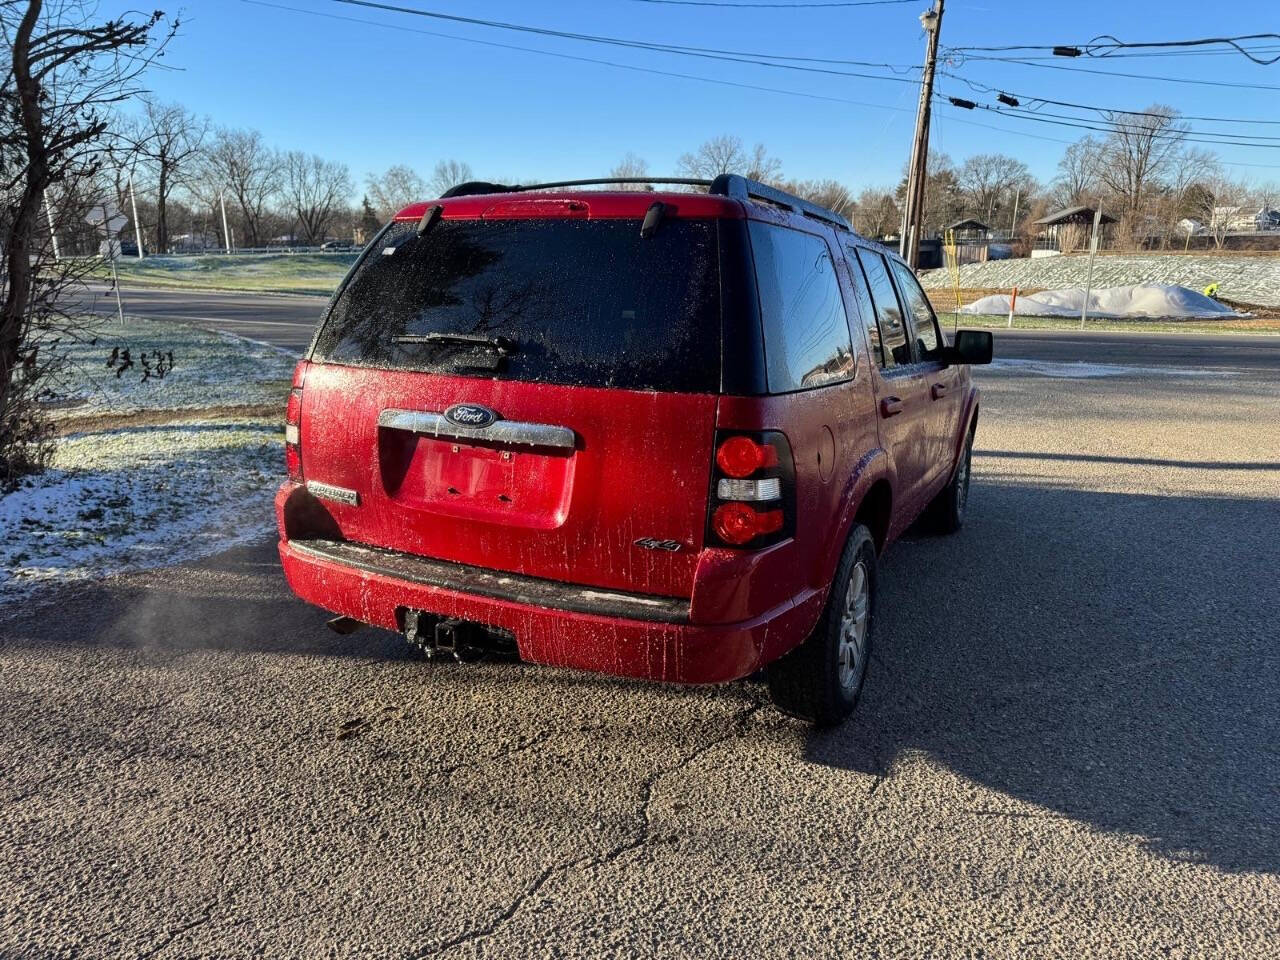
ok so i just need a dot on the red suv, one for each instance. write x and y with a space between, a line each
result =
654 434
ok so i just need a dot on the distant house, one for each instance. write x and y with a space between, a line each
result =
1239 219
1069 229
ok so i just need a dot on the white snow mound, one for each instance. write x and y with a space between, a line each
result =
1109 303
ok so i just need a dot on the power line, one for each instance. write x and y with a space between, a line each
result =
775 6
1182 136
984 88
1131 76
1037 136
581 59
1136 125
1127 56
706 53
1095 48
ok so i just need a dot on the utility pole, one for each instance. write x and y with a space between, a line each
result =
53 234
133 202
913 212
226 235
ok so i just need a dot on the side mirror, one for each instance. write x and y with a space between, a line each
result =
971 346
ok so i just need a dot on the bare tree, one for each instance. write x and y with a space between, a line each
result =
317 190
631 166
395 189
241 162
763 167
987 182
725 154
1176 199
65 72
449 173
1137 154
1077 181
1221 203
876 213
832 194
166 139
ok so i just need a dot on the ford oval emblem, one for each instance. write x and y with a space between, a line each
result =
470 415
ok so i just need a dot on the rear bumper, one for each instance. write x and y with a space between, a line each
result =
375 587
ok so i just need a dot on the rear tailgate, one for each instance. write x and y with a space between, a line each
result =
638 469
581 456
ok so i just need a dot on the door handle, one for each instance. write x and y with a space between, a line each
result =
940 390
890 407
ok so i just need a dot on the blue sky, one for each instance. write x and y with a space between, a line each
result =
370 92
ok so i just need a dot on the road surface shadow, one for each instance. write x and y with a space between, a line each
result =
1107 657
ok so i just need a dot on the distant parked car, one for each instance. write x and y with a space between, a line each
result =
129 248
337 246
660 435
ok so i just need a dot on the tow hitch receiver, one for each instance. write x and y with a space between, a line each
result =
441 638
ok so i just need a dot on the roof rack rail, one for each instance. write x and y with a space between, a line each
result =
733 185
726 185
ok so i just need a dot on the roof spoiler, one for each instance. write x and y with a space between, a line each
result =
726 185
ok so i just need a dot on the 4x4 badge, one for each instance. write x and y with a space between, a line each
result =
649 543
470 415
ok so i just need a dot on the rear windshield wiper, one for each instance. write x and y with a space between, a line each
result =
503 346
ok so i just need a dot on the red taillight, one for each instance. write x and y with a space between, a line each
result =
741 456
752 502
737 523
293 434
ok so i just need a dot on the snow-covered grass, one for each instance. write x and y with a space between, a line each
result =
165 485
138 497
316 273
1246 279
209 369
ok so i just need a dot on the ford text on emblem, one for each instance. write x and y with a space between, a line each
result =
470 415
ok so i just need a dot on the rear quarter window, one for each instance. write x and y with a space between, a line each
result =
578 302
806 331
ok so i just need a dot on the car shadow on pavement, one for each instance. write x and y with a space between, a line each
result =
1107 657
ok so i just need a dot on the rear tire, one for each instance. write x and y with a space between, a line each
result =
819 681
948 507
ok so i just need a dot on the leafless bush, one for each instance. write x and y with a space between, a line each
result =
64 72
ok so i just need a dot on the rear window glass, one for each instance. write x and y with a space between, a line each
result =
568 301
806 331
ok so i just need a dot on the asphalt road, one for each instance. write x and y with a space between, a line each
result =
289 321
1068 744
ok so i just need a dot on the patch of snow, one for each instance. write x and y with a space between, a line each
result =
209 369
1154 300
138 497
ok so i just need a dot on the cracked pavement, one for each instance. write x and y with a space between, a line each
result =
1068 744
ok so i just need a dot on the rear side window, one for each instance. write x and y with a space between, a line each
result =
806 332
568 301
893 332
923 322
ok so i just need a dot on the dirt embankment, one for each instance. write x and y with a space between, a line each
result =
99 422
